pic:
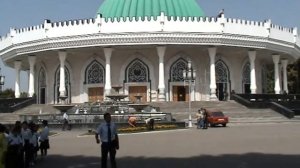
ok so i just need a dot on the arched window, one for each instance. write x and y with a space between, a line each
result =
222 73
137 71
222 80
95 73
176 70
42 78
246 78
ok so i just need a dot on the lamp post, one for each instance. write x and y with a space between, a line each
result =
189 76
1 81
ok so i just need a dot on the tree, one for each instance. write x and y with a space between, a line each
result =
293 71
23 95
7 93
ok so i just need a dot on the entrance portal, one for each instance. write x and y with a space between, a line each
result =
247 89
138 91
180 93
222 92
95 94
42 95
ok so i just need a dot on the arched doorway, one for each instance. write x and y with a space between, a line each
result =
179 91
42 86
138 80
222 80
94 76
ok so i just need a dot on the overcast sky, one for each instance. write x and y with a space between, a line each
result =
23 13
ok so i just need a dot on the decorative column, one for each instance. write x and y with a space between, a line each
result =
284 64
252 56
62 86
31 60
276 73
17 83
161 83
212 54
107 87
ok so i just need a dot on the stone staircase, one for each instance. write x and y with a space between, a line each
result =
180 111
236 112
8 118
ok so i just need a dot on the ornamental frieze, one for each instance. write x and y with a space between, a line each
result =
144 39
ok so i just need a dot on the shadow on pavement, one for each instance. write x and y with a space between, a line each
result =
250 160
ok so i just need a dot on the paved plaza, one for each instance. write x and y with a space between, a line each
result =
273 145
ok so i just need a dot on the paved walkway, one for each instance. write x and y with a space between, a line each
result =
273 145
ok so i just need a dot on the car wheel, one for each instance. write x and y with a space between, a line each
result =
224 125
211 125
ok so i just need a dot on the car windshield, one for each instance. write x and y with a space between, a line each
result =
217 114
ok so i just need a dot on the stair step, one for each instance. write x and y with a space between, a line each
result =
179 111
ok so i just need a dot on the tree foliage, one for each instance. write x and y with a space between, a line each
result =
294 77
7 93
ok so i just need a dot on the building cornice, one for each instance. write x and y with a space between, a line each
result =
172 38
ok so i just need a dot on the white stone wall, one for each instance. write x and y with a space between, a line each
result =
78 33
78 62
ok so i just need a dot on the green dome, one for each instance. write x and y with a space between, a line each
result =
143 8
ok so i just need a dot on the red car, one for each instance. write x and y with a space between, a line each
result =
216 117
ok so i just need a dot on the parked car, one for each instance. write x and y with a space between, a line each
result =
216 117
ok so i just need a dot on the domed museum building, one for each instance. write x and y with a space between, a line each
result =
149 48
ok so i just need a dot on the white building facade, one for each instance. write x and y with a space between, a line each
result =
146 55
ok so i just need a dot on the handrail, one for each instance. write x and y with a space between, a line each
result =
268 101
241 100
282 110
270 97
12 104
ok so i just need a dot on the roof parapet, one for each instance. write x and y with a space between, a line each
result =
267 25
12 32
98 20
295 33
162 20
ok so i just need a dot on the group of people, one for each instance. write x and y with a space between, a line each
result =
20 144
202 121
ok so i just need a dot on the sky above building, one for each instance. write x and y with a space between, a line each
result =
24 13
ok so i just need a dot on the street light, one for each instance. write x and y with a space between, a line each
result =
189 76
1 81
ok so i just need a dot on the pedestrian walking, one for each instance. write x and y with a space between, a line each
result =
33 144
14 157
44 138
3 146
26 135
66 122
199 116
109 141
205 119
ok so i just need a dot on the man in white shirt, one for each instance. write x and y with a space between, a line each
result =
26 135
66 122
44 138
110 142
